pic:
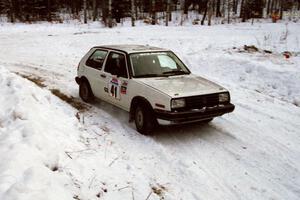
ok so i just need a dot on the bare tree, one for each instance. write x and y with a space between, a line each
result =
242 11
12 11
268 7
235 6
49 17
153 13
184 12
228 11
281 8
205 12
132 13
168 13
218 5
109 14
210 11
95 10
84 11
272 6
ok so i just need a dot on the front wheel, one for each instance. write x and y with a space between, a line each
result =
145 121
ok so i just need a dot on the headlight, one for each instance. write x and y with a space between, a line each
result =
178 103
224 97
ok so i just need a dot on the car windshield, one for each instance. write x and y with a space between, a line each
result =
156 64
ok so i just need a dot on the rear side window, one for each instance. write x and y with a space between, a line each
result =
96 60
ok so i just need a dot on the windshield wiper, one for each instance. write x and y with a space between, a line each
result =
150 75
176 72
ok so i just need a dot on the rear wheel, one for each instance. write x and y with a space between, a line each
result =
145 121
85 91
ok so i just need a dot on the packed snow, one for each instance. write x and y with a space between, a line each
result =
50 150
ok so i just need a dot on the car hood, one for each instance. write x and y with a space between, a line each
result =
182 86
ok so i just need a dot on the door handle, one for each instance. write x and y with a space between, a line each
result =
103 75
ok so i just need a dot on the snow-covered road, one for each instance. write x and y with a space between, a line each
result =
252 153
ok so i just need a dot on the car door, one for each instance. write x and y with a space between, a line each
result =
94 67
116 79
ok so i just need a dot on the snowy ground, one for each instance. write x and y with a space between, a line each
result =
46 152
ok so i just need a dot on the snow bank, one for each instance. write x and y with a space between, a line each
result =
34 135
268 74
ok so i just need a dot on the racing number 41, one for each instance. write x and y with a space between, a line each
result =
114 91
114 88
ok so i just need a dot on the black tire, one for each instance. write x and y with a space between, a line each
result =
85 91
145 120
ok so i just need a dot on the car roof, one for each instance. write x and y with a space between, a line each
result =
132 48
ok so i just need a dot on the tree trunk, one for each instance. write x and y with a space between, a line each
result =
12 11
204 15
72 7
109 14
183 12
153 21
223 8
281 9
104 12
236 6
268 7
277 4
137 9
95 10
242 12
228 11
49 11
84 11
132 13
272 7
210 11
171 9
168 12
218 12
233 5
199 7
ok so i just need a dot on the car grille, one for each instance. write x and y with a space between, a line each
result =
202 101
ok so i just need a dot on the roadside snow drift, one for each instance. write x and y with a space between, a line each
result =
35 133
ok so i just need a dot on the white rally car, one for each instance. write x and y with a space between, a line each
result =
152 84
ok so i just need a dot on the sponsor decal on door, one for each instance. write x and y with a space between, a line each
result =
116 88
124 87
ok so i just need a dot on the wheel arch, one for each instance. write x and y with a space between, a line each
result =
133 105
82 78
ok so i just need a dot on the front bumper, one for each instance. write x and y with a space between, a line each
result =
195 115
